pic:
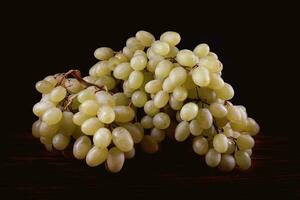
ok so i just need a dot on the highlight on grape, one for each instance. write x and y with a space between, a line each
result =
141 95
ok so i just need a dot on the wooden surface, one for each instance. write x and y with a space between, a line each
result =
30 172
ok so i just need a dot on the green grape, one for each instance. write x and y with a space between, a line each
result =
168 86
178 75
79 118
200 76
231 147
36 128
157 134
189 111
221 122
242 159
106 114
46 130
89 107
51 79
150 108
204 118
171 37
41 107
210 63
195 128
104 98
102 68
180 93
114 61
122 71
52 116
245 142
136 133
248 151
212 158
147 122
220 143
85 95
233 114
44 86
216 82
182 131
73 86
226 92
107 81
121 99
58 94
122 139
138 62
207 95
103 53
178 118
102 138
218 110
252 127
115 160
124 114
67 127
153 56
126 89
186 58
81 147
91 125
227 163
160 48
130 154
135 79
149 145
96 156
175 104
153 86
163 68
134 44
173 52
200 145
161 99
128 52
145 38
161 120
60 141
201 50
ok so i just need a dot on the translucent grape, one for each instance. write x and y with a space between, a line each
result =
242 159
212 158
252 127
175 104
186 58
51 79
216 82
145 38
79 118
81 147
189 111
200 145
220 143
161 120
134 44
168 86
153 86
147 122
157 134
121 99
182 131
52 116
67 126
138 62
227 163
35 128
163 68
178 76
233 114
150 108
104 98
195 128
218 110
201 50
102 138
48 130
122 71
115 160
135 79
103 53
124 114
160 48
136 133
200 76
60 141
122 139
41 107
91 125
210 63
204 118
161 99
89 107
180 93
226 92
96 156
130 154
58 94
171 37
245 142
44 86
231 147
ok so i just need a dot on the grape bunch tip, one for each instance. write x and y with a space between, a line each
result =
145 93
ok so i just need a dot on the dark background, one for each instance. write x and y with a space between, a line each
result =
256 43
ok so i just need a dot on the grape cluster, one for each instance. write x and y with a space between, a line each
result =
138 96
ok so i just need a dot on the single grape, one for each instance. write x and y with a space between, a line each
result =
102 138
161 120
182 131
103 53
122 139
115 160
96 156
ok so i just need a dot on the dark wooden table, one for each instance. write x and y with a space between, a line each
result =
30 172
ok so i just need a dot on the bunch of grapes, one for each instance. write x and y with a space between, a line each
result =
138 96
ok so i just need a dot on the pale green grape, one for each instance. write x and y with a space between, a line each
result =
52 116
104 98
126 89
216 81
207 95
67 127
195 128
89 107
218 110
242 159
121 99
186 58
115 160
58 94
122 139
139 98
233 114
90 79
79 118
44 86
252 127
200 145
226 92
231 147
227 163
160 48
85 95
189 83
150 108
210 63
46 130
210 133
60 141
178 118
130 154
221 122
178 75
138 62
96 156
102 68
171 37
175 104
147 122
161 120
212 54
220 143
41 107
180 93
200 76
182 131
151 65
145 38
153 56
103 53
139 52
201 50
81 147
73 86
51 79
161 99
102 138
149 145
91 125
135 79
173 52
245 142
106 114
122 71
157 134
163 69
212 158
168 86
107 81
204 118
189 111
35 129
153 86
134 44
136 133
114 61
128 52
122 57
124 114
77 133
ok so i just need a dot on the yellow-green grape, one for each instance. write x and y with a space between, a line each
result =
151 65
60 141
233 114
92 71
149 145
106 114
90 79
210 63
121 99
163 69
73 85
102 68
207 95
104 98
212 54
130 154
154 86
122 71
200 145
44 86
122 57
180 93
51 79
91 125
161 99
41 107
189 111
103 53
145 38
139 98
216 81
218 110
102 138
107 81
67 127
147 122
175 104
58 94
124 114
46 140
235 134
81 147
221 122
200 76
212 158
127 52
226 92
242 159
252 127
134 44
52 116
227 163
245 142
114 61
204 118
195 128
231 147
189 83
48 130
160 48
85 95
138 62
157 134
178 76
89 107
178 118
153 56
126 89
168 86
136 133
161 120
115 160
173 52
122 139
150 108
135 79
171 37
139 52
201 50
35 129
220 143
79 118
186 58
96 156
182 131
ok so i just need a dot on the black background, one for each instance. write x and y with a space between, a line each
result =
256 43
